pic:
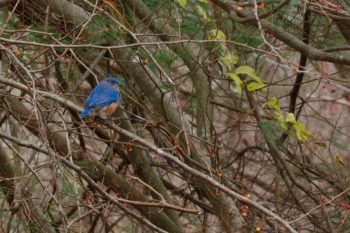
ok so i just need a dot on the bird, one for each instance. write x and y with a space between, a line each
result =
104 99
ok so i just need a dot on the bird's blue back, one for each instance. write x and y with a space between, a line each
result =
102 95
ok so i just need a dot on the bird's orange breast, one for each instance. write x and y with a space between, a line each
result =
105 111
110 109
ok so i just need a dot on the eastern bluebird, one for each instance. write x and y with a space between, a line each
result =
103 99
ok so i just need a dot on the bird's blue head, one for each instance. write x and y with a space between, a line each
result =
112 81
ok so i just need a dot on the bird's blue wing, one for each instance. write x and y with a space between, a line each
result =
90 99
86 112
101 96
108 97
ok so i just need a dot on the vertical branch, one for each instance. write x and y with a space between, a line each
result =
193 59
302 63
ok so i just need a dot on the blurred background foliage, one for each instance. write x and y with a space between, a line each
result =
234 116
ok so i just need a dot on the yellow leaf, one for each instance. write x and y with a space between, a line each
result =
182 3
204 1
217 34
279 116
257 79
201 11
274 103
302 134
238 82
251 73
246 70
253 86
338 159
284 126
230 59
320 144
290 118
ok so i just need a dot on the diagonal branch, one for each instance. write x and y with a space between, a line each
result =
237 14
169 157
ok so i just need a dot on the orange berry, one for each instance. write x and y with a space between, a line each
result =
248 196
217 193
66 60
244 214
18 53
261 5
219 174
105 29
257 229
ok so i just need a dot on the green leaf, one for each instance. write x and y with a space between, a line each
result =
217 34
274 103
182 3
252 40
230 59
299 128
165 59
201 11
271 129
290 118
284 126
238 82
246 70
253 86
258 84
258 79
302 134
279 116
192 25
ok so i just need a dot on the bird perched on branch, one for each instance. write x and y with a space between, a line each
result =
103 99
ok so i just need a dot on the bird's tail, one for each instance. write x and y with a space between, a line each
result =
86 112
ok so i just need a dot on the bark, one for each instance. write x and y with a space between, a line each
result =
92 166
165 105
76 16
193 57
238 15
26 208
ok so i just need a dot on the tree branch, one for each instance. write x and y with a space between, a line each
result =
169 157
238 14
